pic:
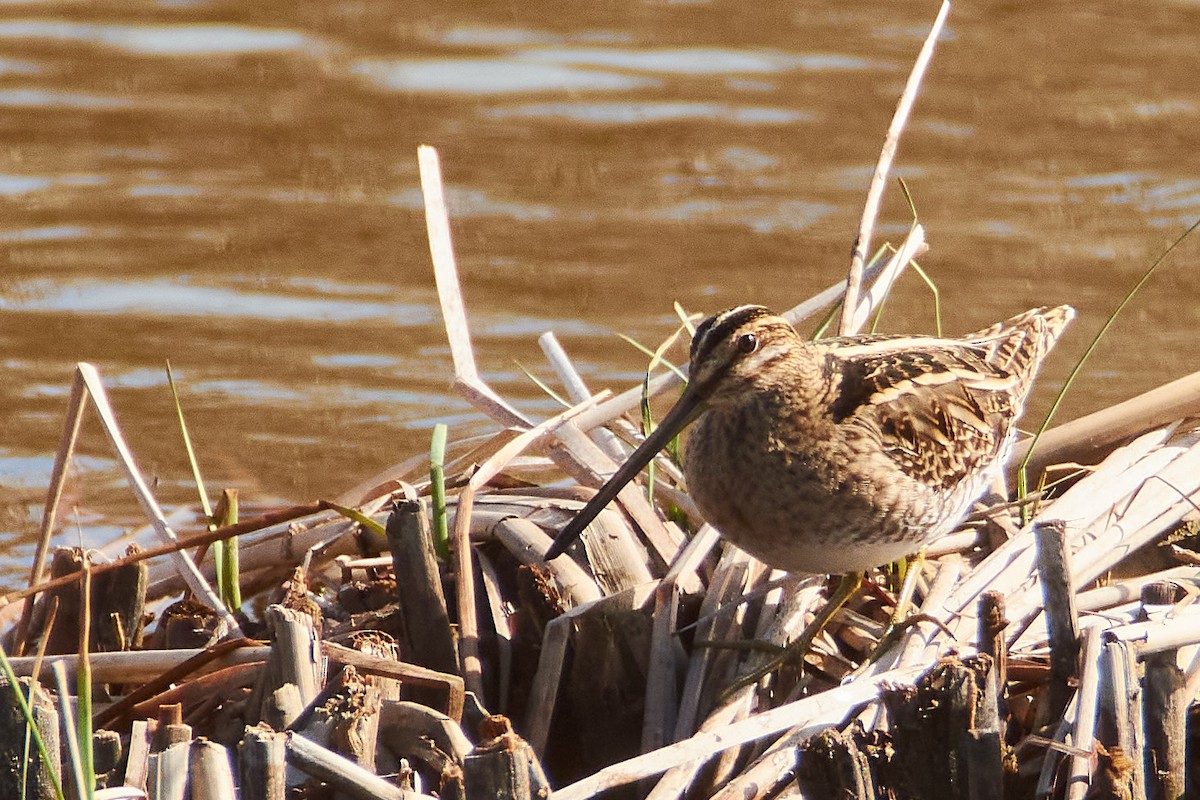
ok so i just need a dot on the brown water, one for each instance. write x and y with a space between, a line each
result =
233 186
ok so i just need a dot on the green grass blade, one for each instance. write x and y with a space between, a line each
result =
187 443
545 387
1022 479
229 563
437 490
362 519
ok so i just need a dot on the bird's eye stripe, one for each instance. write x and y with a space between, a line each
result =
718 328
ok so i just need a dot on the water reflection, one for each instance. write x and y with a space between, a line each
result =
162 40
166 297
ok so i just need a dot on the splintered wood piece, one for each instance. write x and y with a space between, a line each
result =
295 658
504 765
210 775
262 764
1058 591
419 586
14 758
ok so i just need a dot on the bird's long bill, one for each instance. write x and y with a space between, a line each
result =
684 411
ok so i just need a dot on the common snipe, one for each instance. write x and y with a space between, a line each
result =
839 455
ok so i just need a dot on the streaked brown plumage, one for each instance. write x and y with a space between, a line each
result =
842 454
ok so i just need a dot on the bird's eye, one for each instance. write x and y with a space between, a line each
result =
747 343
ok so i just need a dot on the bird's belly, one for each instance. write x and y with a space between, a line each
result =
796 518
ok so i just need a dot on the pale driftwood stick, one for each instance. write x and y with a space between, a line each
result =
1121 710
294 659
62 457
262 764
528 542
454 315
1058 594
544 690
879 179
765 771
137 764
169 772
138 666
342 773
282 707
1087 703
913 246
952 543
1081 440
464 581
210 776
578 391
1181 629
187 568
727 584
1127 590
445 270
419 587
814 712
1166 711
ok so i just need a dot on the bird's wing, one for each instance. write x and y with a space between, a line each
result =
941 409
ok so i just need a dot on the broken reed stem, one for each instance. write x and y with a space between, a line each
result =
445 269
992 623
879 179
1165 709
1058 597
66 449
186 567
1087 706
464 576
